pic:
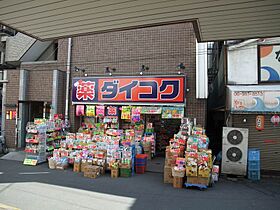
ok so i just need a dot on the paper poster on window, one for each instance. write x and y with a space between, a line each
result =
126 113
172 112
269 63
90 111
100 111
80 110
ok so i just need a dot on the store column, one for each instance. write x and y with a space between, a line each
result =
54 92
22 107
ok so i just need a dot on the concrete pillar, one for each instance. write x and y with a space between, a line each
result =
22 114
55 92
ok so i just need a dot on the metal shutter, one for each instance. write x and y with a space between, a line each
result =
268 140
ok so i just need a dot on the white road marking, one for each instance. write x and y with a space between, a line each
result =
33 173
6 207
1 172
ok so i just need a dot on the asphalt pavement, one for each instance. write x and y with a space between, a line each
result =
33 188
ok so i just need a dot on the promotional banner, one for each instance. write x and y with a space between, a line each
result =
151 110
90 111
172 112
126 113
80 110
100 111
112 111
129 90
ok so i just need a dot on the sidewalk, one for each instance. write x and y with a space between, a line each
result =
38 187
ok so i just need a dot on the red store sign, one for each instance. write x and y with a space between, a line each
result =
131 90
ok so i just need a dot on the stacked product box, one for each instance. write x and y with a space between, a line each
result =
198 158
174 151
168 178
92 171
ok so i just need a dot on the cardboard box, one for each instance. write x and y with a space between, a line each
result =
115 173
168 178
178 182
191 170
91 168
192 180
103 170
61 167
149 154
84 164
198 180
204 172
92 175
77 166
203 180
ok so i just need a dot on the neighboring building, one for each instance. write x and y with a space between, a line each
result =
40 80
33 82
246 89
5 33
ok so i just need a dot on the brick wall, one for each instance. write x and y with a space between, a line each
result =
40 80
161 48
12 98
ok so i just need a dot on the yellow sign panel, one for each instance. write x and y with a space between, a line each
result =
31 162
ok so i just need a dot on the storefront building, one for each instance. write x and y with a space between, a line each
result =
155 52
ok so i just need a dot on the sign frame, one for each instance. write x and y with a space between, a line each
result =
260 67
128 102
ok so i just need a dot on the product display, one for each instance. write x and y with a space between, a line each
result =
188 155
121 140
43 136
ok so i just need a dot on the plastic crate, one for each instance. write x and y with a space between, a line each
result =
141 160
140 169
254 154
125 172
254 165
254 175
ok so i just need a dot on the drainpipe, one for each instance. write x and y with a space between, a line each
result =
68 71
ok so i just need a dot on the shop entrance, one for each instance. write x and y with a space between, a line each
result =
164 130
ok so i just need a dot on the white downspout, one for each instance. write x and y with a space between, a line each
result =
68 71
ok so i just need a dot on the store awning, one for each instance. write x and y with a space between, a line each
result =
213 19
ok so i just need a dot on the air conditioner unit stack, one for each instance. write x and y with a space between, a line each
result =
235 146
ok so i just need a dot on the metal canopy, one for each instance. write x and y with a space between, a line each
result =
213 19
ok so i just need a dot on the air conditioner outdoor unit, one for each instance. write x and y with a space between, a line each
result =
234 154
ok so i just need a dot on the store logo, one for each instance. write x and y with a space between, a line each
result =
85 90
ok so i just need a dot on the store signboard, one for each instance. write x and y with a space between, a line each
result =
269 56
255 100
151 110
129 90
